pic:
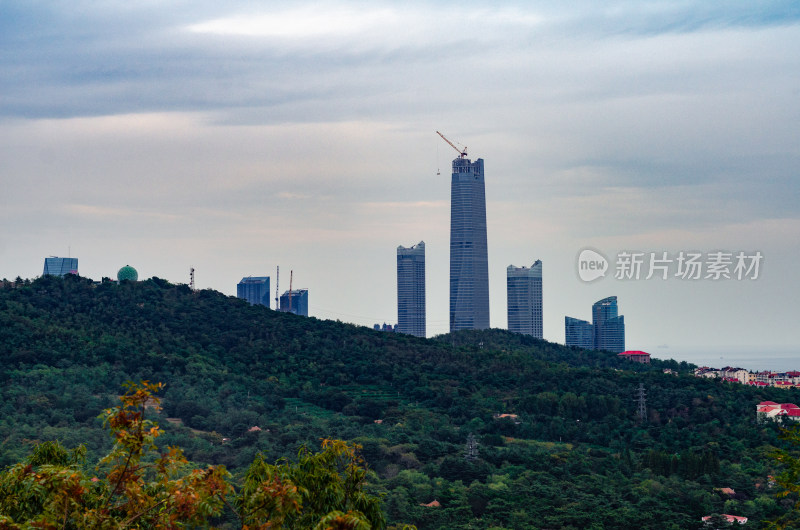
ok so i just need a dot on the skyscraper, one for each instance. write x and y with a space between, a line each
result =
411 289
254 289
60 266
524 289
469 263
295 301
609 327
578 333
606 332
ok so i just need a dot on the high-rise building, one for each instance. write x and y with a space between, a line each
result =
295 301
411 289
606 332
578 333
609 326
54 266
254 289
469 262
524 290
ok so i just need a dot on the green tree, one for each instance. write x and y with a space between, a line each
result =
139 488
789 479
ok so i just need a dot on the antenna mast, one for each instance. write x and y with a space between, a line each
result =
277 283
191 278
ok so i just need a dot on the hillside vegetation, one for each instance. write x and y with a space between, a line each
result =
242 380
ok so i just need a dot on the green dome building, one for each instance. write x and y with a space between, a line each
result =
127 273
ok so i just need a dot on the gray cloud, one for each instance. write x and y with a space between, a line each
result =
144 131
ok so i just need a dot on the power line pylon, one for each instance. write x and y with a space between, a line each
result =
641 399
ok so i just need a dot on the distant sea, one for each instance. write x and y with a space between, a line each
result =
753 359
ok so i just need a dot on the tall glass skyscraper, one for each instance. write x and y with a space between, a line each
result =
411 289
469 262
606 332
609 326
524 290
54 266
578 333
254 289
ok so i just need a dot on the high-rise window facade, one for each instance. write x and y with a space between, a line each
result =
54 266
469 262
524 290
295 301
578 333
411 289
609 326
254 289
606 332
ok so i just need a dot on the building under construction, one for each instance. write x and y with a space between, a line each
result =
295 301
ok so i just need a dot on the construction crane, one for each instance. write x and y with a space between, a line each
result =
461 154
291 273
277 292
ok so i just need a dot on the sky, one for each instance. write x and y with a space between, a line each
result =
234 137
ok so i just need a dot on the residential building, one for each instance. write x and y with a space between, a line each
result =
729 518
295 301
55 266
578 333
609 327
254 289
769 410
411 290
524 298
385 327
469 262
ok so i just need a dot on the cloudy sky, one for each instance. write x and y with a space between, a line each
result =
237 136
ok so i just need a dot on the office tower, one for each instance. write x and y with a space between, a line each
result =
578 333
254 289
469 263
297 303
524 289
609 327
60 266
411 290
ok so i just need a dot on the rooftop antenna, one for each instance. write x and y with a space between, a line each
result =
437 160
191 278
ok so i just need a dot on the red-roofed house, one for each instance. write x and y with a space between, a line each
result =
636 356
769 410
729 518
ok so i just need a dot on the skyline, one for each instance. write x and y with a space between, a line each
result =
171 138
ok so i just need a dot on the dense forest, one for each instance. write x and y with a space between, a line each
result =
500 430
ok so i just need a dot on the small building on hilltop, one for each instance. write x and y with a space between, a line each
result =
636 356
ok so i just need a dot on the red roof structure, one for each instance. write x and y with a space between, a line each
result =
636 356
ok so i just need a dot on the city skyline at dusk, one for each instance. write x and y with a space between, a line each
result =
236 138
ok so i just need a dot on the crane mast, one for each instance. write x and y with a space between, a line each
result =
291 274
277 292
461 154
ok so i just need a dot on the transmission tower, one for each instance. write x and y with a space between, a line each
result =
471 452
191 278
641 399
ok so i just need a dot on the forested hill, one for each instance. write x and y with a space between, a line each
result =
242 379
